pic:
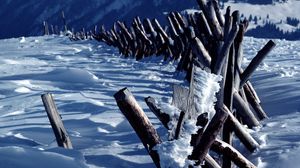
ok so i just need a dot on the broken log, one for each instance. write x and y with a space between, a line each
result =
163 117
256 61
139 121
62 137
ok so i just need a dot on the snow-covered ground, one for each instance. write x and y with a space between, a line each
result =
83 76
275 13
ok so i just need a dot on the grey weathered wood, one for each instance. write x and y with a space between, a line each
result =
173 30
46 28
163 117
179 125
160 29
256 61
139 121
210 15
180 95
228 22
209 136
226 149
201 53
176 23
239 130
261 114
204 22
243 110
228 98
249 84
239 55
210 162
62 137
221 58
219 15
64 21
181 20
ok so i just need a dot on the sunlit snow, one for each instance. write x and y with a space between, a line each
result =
83 76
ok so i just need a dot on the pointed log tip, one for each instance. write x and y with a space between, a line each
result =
122 94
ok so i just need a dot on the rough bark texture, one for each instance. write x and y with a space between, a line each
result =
62 138
139 122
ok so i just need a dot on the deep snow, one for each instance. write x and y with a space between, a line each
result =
84 76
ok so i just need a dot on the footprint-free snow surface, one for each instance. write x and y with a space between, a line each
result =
83 76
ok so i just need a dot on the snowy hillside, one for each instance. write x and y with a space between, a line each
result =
84 76
276 14
24 18
20 18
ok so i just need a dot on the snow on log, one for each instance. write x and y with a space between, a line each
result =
226 149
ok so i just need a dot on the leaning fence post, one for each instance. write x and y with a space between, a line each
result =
62 138
139 121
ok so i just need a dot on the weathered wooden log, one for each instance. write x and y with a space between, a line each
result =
176 24
179 124
210 162
141 35
185 60
228 98
160 29
243 110
46 28
190 110
124 30
219 15
201 53
261 114
226 149
64 21
256 61
239 55
140 24
202 121
209 136
139 121
163 117
183 23
210 15
62 137
179 97
149 28
244 136
203 21
52 30
228 22
249 84
173 30
225 50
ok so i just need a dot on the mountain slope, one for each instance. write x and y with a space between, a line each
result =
20 18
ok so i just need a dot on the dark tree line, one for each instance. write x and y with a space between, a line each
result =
259 2
292 21
270 30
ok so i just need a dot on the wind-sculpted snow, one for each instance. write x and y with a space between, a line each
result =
83 76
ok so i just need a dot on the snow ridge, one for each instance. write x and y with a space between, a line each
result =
175 153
